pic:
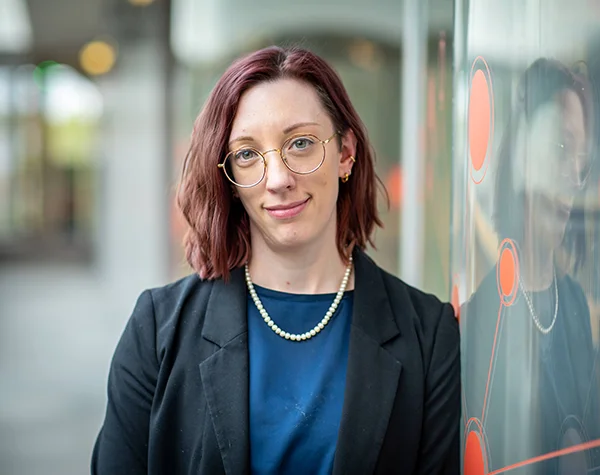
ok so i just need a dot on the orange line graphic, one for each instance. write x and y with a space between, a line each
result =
487 384
551 455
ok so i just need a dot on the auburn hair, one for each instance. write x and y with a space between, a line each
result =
218 236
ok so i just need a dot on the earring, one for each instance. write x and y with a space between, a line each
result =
352 158
345 178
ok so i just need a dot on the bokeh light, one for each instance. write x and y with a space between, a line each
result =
97 57
141 3
41 72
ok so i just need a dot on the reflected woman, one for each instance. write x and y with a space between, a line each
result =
528 376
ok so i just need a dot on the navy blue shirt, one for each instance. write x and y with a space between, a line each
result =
296 388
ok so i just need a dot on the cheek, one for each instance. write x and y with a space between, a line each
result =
249 200
325 184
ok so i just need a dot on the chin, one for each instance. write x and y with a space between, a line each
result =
290 238
554 233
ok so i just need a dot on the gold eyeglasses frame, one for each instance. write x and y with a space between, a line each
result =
280 152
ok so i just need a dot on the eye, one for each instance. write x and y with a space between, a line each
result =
301 143
245 155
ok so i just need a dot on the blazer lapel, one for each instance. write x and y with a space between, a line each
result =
372 374
225 373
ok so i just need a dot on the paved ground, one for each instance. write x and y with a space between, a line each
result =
58 328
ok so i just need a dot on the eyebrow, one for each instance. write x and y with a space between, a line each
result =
291 128
286 131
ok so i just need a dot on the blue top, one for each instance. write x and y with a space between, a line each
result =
296 388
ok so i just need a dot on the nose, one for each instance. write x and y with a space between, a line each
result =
278 176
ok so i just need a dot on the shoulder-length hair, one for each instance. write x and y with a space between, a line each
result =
543 81
218 236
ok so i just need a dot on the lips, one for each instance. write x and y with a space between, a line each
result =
287 210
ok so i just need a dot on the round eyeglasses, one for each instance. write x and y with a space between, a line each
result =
302 154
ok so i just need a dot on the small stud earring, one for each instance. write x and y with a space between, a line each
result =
352 158
345 178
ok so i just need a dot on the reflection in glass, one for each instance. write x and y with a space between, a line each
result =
528 375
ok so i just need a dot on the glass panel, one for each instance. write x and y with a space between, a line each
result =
526 228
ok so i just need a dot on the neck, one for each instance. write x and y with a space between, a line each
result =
537 264
312 269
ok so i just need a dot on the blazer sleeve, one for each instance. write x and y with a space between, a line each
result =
439 451
122 444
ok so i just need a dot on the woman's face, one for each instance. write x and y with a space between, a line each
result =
555 163
288 210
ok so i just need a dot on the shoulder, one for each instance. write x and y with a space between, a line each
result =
572 288
176 294
574 303
420 313
162 310
426 308
426 305
428 325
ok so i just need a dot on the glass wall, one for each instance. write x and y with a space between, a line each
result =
526 229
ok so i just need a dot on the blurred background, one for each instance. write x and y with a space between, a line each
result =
97 101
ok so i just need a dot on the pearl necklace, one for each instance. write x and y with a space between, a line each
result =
318 327
536 320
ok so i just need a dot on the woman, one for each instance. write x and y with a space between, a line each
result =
289 351
529 356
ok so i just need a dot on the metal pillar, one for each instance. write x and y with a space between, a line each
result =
414 62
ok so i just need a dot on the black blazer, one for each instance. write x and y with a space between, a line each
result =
178 383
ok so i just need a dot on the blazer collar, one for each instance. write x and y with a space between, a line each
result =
372 373
226 310
372 311
371 381
225 374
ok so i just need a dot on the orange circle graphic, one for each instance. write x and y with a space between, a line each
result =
479 119
507 272
474 463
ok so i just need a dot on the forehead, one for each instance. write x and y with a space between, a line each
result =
564 113
275 105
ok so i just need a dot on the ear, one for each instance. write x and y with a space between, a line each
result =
347 153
